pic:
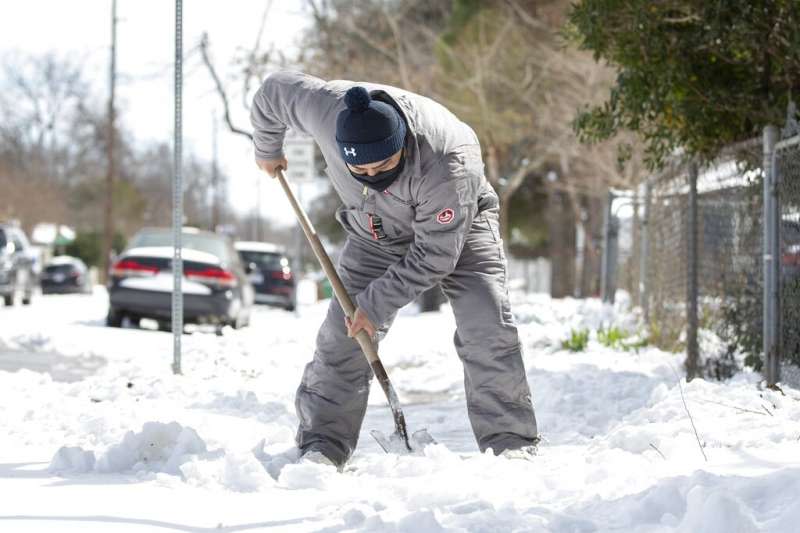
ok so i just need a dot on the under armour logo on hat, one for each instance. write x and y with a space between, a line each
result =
350 151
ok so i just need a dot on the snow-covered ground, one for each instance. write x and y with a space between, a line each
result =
99 436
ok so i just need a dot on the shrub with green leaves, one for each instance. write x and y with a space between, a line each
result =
577 341
693 74
612 337
619 339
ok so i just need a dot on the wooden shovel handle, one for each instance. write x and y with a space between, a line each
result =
364 340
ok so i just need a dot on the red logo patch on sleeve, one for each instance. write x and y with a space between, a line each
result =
446 216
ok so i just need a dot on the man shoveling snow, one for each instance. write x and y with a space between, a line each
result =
417 211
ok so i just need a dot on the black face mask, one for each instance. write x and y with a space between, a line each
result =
381 181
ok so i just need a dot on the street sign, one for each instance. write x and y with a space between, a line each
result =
299 151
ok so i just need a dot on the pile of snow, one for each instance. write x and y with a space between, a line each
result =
240 472
156 448
166 449
72 460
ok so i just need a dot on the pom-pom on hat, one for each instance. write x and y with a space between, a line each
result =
368 131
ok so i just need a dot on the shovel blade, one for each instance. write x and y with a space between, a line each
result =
395 443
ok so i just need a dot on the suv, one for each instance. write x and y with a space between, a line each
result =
268 269
17 266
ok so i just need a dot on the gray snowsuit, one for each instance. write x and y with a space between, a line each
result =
437 223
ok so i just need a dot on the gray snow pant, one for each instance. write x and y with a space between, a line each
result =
332 398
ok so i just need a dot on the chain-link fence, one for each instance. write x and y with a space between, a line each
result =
704 265
665 273
787 172
730 250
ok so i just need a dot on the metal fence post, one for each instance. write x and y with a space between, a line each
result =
177 197
644 253
608 284
692 280
771 331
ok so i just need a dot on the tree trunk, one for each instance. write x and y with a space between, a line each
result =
561 226
592 247
505 227
492 166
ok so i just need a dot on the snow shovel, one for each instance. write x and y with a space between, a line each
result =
398 442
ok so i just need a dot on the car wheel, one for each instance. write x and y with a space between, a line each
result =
26 300
242 321
8 299
114 318
290 308
165 325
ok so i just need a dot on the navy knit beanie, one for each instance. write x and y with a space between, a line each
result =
368 131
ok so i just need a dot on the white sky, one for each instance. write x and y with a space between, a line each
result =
145 55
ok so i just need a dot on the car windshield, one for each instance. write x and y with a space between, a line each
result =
210 244
268 260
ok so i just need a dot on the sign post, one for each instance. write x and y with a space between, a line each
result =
177 197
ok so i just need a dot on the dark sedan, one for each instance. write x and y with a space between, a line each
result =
65 274
269 272
214 284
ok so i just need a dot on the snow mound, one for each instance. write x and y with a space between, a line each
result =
353 518
236 472
157 448
730 513
169 449
423 520
306 475
274 463
72 460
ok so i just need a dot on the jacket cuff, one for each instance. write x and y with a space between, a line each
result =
377 316
267 155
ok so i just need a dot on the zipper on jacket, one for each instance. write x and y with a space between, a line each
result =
393 196
364 194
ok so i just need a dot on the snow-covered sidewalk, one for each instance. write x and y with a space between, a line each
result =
114 442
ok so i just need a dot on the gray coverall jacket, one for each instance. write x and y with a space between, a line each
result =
437 223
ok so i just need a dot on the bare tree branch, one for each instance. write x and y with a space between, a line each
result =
220 89
254 68
398 43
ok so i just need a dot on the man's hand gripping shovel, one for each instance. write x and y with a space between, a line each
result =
400 441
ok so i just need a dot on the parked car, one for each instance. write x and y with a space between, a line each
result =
214 285
65 274
17 266
790 254
269 272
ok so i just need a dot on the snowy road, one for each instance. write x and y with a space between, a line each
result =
98 435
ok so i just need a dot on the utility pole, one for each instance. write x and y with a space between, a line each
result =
215 198
110 168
